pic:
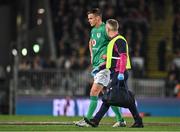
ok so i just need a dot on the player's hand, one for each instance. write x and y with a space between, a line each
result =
120 76
95 71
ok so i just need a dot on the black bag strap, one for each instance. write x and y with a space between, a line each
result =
125 87
124 83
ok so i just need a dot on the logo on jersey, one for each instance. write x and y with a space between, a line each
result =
93 42
98 35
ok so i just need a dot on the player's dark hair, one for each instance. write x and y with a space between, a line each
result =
95 11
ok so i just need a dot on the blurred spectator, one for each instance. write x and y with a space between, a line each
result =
144 9
176 5
176 59
49 63
60 62
171 80
177 90
72 32
72 37
176 33
159 7
37 63
162 45
24 65
138 66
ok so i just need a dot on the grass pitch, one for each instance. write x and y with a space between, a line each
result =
61 123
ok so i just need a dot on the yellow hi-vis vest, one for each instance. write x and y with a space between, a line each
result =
110 52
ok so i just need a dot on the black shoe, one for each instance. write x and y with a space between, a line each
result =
137 125
91 122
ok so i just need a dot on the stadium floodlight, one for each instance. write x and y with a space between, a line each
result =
24 51
39 21
8 68
41 10
14 52
36 48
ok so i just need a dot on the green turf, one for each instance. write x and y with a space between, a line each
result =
151 124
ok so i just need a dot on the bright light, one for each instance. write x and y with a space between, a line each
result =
39 21
8 68
14 52
41 10
36 48
18 20
24 51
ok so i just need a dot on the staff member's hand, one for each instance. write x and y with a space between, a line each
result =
120 76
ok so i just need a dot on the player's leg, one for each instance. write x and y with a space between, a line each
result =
101 79
119 120
99 115
132 107
95 90
134 111
136 116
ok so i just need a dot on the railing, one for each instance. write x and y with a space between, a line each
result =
148 87
53 82
77 83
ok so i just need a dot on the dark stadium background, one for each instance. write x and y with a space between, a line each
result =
44 53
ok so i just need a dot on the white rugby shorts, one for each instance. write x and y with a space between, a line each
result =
102 77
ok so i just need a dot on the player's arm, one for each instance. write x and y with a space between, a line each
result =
90 49
120 47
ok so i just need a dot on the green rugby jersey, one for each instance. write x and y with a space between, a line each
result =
99 41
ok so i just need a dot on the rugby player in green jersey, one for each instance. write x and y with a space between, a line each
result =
98 48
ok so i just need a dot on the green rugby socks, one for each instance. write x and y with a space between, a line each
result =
92 106
117 113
